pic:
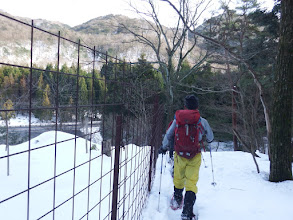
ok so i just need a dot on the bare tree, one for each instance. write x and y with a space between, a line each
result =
235 56
171 46
280 148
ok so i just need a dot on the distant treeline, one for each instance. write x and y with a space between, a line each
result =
69 87
138 82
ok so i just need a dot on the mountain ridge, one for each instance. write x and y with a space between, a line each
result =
105 33
102 32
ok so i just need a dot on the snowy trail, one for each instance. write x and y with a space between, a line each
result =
240 192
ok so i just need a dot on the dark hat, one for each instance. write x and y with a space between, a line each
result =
191 102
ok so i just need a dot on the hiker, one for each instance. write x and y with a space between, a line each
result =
188 129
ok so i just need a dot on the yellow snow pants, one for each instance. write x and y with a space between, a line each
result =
186 172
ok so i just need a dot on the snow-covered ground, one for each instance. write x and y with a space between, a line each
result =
240 192
21 120
98 174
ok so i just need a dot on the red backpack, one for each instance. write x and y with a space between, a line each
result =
187 130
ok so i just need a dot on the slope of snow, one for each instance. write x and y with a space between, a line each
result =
97 173
21 120
240 192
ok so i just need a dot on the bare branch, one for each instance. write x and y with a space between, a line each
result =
240 59
248 149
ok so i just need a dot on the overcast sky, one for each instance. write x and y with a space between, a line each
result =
75 12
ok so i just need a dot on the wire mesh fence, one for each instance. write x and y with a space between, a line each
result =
79 141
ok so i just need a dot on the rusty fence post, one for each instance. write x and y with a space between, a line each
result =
116 167
153 139
159 128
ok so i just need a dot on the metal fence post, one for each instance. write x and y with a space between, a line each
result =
158 140
116 167
113 87
153 139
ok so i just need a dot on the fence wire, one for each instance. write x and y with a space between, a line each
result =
79 141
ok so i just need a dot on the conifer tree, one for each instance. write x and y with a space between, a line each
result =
46 113
7 115
83 91
40 87
99 88
38 100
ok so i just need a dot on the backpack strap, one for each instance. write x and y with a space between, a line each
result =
199 126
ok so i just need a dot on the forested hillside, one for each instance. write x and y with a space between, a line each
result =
102 32
224 86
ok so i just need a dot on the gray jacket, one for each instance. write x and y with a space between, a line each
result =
171 132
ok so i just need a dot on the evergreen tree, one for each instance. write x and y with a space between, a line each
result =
244 33
38 97
7 115
83 92
99 88
46 113
40 88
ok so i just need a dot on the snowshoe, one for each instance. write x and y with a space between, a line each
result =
175 205
186 217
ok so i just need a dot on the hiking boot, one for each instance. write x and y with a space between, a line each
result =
178 194
189 201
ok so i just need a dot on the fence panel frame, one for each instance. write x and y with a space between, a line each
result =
142 164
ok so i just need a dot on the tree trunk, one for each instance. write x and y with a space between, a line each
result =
170 111
234 118
280 141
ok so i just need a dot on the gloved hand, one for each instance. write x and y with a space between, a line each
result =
162 150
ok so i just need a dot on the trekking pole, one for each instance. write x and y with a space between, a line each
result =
165 163
160 183
213 183
205 166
